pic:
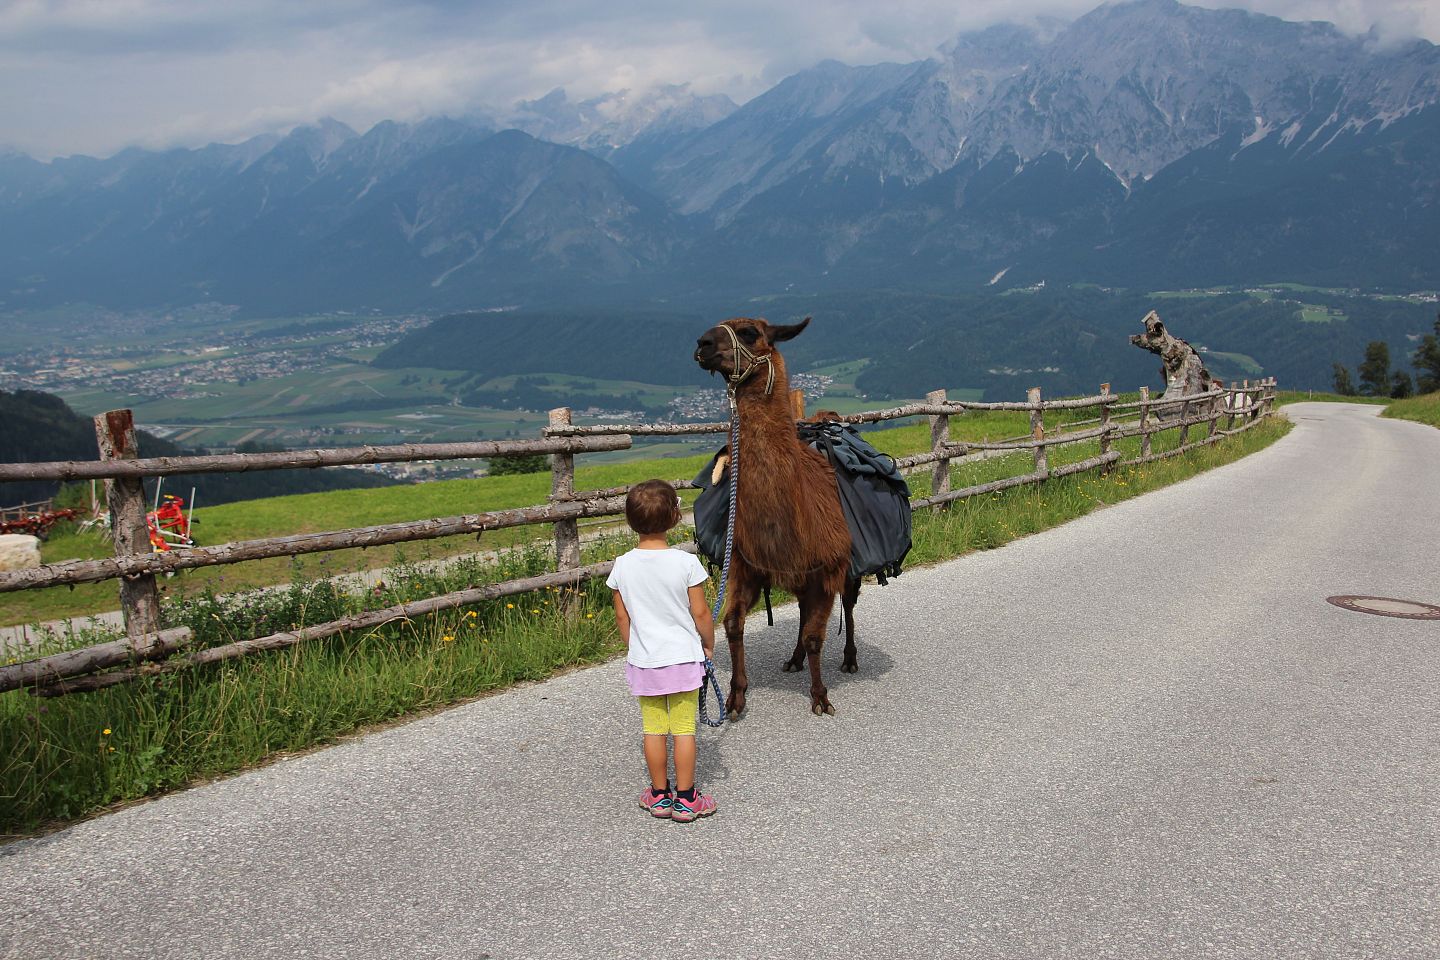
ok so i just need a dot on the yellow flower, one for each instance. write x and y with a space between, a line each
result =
589 616
447 638
470 614
106 731
509 606
534 610
112 749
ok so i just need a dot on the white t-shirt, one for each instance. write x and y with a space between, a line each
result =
655 585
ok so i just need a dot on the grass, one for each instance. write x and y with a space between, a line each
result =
1309 313
1285 397
70 757
1241 361
1422 409
335 510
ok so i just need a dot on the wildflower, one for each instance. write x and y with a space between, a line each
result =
112 749
509 606
106 731
589 616
447 638
471 614
534 610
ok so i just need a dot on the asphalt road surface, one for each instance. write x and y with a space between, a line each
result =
1143 734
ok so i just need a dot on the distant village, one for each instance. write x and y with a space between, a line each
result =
213 356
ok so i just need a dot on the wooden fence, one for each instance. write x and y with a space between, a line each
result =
149 649
22 510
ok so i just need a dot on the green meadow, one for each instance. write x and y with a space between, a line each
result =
1422 409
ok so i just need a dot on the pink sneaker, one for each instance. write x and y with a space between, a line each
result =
683 811
656 802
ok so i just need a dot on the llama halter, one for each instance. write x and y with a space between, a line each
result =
737 377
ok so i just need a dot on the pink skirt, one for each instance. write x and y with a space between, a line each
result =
658 681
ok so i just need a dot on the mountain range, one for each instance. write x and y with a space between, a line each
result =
1147 144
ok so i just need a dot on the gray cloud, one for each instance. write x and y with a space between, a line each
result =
93 76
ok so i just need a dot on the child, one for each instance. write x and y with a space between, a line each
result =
661 612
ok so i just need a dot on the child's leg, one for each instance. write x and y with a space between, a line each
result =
655 716
682 709
655 757
684 762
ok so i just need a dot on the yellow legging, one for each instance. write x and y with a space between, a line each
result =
672 713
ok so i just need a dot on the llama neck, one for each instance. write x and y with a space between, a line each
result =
767 422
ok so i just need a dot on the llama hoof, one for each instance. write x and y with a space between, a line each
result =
790 666
823 709
733 715
849 668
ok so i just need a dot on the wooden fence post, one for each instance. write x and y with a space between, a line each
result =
1217 410
1184 427
797 404
1144 421
1037 431
939 438
1105 440
562 486
139 598
1231 402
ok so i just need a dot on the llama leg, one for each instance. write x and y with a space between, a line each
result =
847 605
797 659
815 617
743 593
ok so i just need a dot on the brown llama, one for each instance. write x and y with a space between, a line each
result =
790 531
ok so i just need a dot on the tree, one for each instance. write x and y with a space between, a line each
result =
525 463
1343 385
1400 385
1375 370
1427 361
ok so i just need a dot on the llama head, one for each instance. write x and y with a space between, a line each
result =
738 346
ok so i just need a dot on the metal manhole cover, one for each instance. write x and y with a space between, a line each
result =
1387 607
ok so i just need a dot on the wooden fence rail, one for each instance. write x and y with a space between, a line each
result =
300 459
22 510
146 647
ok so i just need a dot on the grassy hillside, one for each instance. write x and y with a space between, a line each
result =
1423 409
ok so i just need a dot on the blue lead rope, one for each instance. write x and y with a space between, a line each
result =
710 684
707 686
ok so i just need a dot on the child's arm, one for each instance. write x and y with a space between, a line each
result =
704 622
622 617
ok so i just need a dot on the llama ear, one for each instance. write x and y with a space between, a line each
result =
778 334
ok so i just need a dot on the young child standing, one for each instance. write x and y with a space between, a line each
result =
660 609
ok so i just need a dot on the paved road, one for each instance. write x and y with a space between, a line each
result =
1144 734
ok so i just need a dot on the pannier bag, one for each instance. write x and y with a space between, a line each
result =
873 495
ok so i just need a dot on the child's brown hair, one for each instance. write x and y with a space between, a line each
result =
652 507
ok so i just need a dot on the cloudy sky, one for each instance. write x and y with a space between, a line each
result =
93 76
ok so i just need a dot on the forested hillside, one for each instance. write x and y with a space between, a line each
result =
1065 340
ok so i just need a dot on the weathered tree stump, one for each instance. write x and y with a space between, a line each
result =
1181 366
